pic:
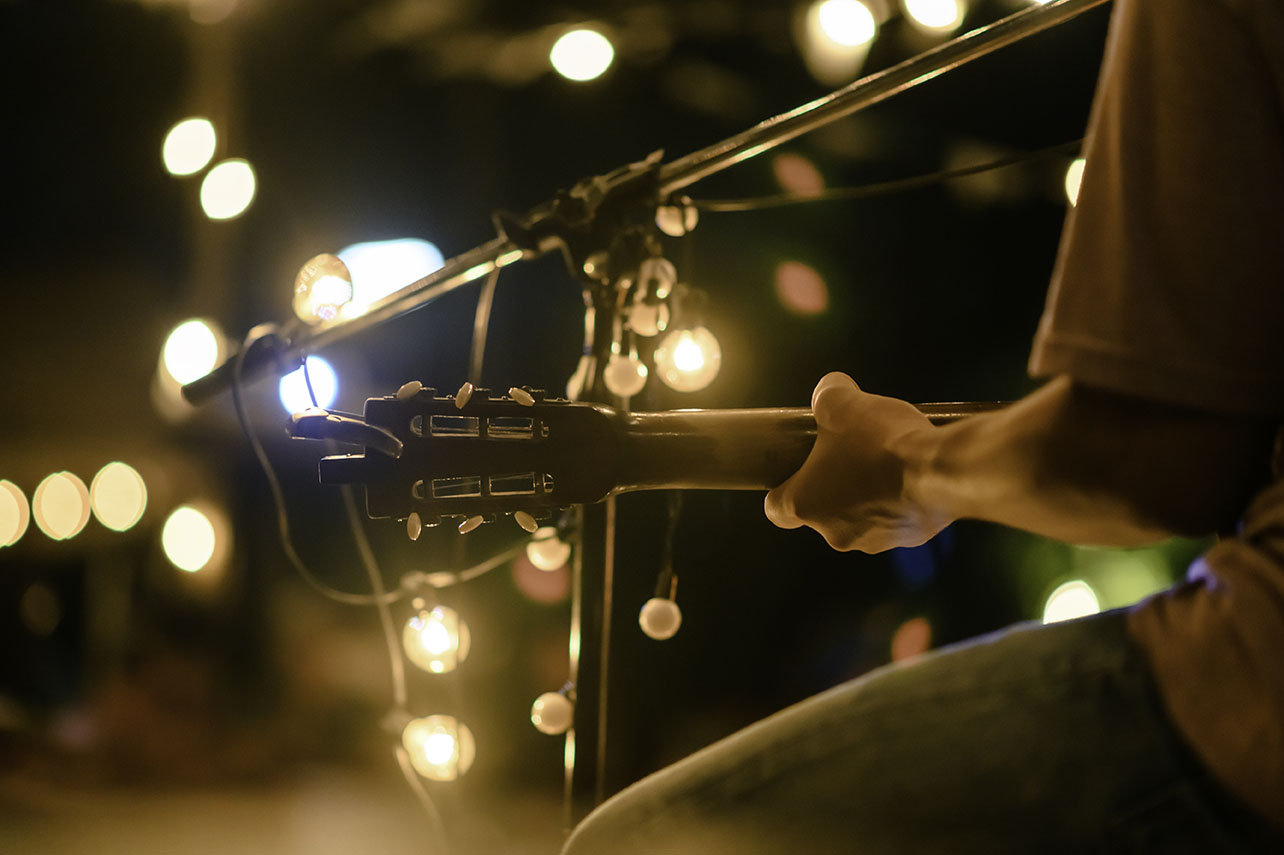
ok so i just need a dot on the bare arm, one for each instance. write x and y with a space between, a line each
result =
1067 462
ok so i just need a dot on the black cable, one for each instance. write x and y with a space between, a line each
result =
884 188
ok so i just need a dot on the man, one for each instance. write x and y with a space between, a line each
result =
1156 730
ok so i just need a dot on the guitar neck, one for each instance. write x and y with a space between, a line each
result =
746 449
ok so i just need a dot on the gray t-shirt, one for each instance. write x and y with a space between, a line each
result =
1170 287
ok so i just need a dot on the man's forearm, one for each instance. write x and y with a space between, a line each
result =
1091 467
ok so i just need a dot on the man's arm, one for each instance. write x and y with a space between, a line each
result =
1068 462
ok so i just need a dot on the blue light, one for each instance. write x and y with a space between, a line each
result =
294 388
381 267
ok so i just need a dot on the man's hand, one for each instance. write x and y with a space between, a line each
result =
851 489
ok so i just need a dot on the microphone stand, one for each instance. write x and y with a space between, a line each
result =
589 224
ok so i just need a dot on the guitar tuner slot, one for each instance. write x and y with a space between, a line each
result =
510 427
463 487
515 484
440 425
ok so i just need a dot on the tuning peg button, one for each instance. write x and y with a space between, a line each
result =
414 526
521 396
464 395
409 390
471 523
526 521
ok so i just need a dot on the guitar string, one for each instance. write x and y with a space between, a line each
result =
883 188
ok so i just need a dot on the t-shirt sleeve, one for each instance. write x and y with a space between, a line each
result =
1169 283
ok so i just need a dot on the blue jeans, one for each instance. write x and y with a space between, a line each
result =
1034 740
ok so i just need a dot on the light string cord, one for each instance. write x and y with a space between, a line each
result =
883 188
481 325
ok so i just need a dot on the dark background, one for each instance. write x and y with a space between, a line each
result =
373 120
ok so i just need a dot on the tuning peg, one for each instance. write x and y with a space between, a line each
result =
521 396
414 526
409 390
464 395
526 521
471 523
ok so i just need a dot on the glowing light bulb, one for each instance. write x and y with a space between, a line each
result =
1074 178
189 538
379 268
15 516
228 189
935 15
624 375
191 351
1073 599
60 505
660 618
189 146
657 276
582 55
847 23
552 713
437 640
546 550
688 360
440 747
293 388
118 496
322 288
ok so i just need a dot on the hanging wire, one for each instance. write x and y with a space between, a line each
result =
481 325
884 188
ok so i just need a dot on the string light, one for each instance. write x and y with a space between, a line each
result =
935 15
436 640
582 55
381 267
195 538
189 146
552 713
15 516
546 550
440 747
687 360
1073 599
1074 178
293 387
191 350
228 189
322 289
847 23
660 618
118 496
60 505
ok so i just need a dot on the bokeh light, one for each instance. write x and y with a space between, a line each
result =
440 747
60 505
293 388
436 640
118 496
194 537
191 351
1074 178
800 289
379 268
848 23
582 55
322 289
15 516
797 174
540 585
1070 600
912 638
546 550
228 189
936 15
189 146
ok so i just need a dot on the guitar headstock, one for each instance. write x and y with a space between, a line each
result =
470 454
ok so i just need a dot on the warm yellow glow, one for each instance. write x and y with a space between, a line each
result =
189 539
937 15
688 360
846 22
437 640
60 505
546 550
322 288
228 189
582 55
801 289
1074 177
440 748
118 496
1071 600
191 351
189 146
15 516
